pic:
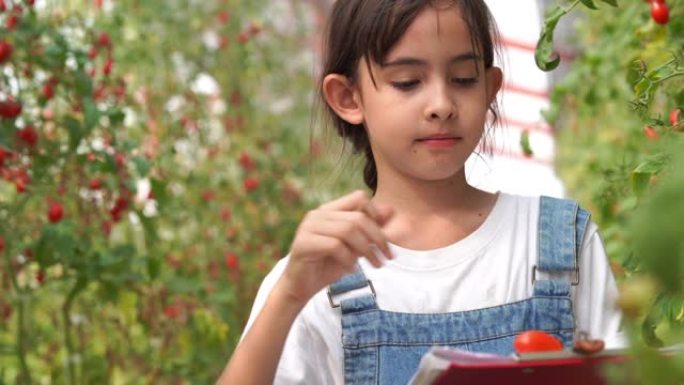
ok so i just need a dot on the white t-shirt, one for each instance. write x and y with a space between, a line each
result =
491 266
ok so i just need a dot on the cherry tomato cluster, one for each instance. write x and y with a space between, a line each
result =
675 121
659 11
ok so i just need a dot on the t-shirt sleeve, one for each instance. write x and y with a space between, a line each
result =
301 360
595 300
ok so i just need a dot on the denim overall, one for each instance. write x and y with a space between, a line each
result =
383 347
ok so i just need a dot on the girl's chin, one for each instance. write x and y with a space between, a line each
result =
443 175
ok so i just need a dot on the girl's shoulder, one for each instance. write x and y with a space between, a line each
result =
535 203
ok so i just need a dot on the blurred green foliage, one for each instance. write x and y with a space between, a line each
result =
620 145
178 144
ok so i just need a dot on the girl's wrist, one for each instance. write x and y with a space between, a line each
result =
285 296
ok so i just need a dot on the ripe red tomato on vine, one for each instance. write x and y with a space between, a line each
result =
3 155
55 212
675 116
651 133
231 261
95 184
6 50
659 11
251 183
28 135
10 109
12 21
48 90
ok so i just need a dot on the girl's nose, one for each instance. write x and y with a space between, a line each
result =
440 106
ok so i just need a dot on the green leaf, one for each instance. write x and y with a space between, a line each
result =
108 291
84 84
159 192
648 332
56 244
613 3
150 228
182 285
75 132
525 143
641 175
544 55
589 4
116 116
44 251
53 55
635 71
640 182
153 267
91 114
652 164
142 165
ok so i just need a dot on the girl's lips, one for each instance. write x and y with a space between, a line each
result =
439 142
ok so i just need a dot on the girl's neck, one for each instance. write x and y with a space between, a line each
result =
427 198
430 215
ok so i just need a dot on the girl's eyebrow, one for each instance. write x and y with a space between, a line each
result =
410 61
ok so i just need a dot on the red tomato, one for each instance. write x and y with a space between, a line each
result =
6 50
659 12
9 109
95 184
651 133
533 341
28 135
103 40
48 90
232 261
675 115
251 183
55 212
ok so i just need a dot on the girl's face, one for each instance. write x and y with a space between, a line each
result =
426 112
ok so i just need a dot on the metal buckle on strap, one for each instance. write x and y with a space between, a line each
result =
334 305
574 282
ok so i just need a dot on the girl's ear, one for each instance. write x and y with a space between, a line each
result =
494 82
343 97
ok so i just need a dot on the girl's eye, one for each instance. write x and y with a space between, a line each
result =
405 85
464 81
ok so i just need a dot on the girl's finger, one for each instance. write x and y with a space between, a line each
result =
369 228
353 201
335 248
352 234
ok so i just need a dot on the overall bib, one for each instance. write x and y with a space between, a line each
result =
384 347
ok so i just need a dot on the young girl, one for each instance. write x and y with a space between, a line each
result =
373 281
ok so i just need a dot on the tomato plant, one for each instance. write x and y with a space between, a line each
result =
152 170
619 143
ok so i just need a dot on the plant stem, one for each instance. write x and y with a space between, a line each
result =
66 309
22 350
670 76
25 375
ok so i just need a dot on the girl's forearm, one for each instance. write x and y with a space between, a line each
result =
256 358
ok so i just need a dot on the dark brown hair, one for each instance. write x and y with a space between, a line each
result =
369 29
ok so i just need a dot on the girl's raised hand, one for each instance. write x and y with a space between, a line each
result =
329 241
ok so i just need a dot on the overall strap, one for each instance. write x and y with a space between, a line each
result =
350 282
562 225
